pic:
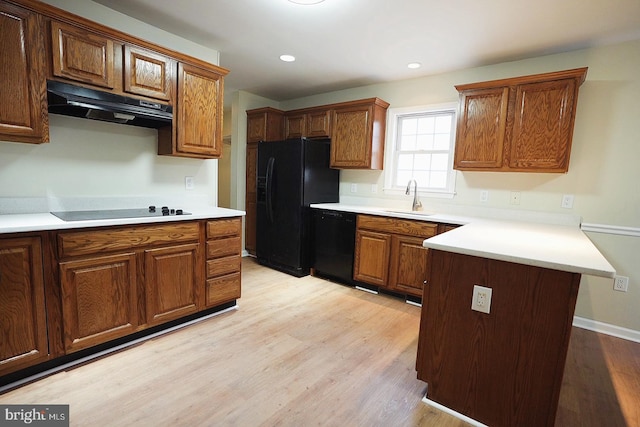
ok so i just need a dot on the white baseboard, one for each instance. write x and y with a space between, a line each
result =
449 411
606 328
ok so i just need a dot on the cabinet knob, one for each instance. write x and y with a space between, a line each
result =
424 282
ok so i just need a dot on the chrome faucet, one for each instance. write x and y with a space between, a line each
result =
417 204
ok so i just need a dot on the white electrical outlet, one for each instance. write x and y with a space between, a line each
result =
567 201
514 199
354 188
484 195
621 283
189 183
481 300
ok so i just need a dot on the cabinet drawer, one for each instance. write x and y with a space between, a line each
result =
224 227
223 289
118 239
220 266
397 226
223 247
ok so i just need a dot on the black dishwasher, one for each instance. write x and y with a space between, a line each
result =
334 244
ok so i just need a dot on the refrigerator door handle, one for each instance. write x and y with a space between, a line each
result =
269 188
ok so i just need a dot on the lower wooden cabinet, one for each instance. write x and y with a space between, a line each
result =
372 257
407 271
106 283
99 300
389 253
224 251
172 282
22 304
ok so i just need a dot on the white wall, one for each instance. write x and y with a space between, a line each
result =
603 174
91 159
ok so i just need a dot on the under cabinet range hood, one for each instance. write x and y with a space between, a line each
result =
78 101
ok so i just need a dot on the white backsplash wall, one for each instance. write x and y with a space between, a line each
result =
88 159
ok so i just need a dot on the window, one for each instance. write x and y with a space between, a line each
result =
421 141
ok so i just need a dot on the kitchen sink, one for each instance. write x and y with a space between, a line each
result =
408 212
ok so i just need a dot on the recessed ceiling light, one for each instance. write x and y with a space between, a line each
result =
306 1
413 65
287 58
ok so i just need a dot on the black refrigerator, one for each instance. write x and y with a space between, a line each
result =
291 175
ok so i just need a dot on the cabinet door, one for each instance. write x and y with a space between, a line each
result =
543 126
481 128
351 137
251 203
265 124
147 73
99 300
318 124
22 309
295 126
173 282
408 264
23 91
82 55
256 127
199 115
371 263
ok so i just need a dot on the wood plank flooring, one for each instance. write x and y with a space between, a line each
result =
300 352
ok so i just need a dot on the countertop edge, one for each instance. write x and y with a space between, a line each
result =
481 237
34 222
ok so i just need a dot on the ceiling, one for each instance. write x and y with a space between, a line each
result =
341 44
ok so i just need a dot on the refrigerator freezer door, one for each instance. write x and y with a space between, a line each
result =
279 217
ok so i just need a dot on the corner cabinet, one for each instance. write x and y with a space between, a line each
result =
523 124
22 304
23 90
197 121
357 134
265 124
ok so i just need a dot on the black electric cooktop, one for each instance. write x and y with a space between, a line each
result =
151 211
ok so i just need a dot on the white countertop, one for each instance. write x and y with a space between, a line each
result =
15 223
556 246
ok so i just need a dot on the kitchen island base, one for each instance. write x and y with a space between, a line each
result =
503 368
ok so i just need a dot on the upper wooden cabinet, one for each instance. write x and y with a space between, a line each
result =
265 124
295 126
99 60
73 48
197 120
23 90
318 123
308 123
357 134
148 73
524 124
82 55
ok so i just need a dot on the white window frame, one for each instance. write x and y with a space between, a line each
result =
390 150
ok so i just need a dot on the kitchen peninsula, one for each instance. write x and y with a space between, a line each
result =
504 366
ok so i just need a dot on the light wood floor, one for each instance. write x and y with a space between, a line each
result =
301 352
